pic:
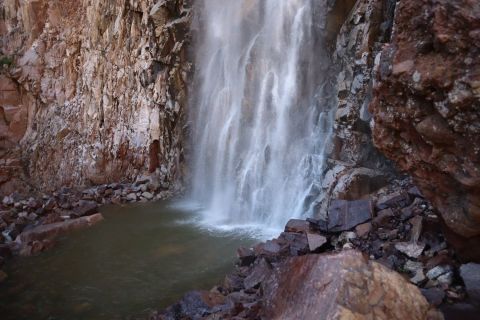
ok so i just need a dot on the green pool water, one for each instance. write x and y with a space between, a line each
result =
142 257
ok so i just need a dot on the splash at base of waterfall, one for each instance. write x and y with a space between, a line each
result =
259 128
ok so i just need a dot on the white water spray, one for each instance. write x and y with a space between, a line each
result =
259 126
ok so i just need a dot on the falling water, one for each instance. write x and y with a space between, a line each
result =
259 126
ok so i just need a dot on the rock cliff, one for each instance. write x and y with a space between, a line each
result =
427 107
92 91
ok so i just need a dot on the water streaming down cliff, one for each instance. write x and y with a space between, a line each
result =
259 125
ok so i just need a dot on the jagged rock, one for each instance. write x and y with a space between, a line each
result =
261 271
315 241
345 215
341 286
411 249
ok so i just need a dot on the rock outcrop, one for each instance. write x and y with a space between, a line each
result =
427 108
354 167
92 91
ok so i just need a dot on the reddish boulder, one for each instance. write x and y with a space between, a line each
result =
341 286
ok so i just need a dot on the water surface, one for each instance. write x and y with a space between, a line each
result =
140 258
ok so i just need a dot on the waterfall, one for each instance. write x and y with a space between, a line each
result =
259 128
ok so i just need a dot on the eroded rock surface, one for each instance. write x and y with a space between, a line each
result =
342 286
91 91
427 107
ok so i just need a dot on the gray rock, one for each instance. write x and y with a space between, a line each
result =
147 195
131 197
411 249
345 215
315 241
470 274
436 272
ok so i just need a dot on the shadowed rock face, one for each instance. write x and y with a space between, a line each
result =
94 92
341 286
427 105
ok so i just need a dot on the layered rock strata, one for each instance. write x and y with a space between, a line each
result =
92 91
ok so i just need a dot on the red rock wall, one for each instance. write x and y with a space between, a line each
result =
427 105
96 91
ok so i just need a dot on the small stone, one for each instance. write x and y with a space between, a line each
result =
347 236
413 250
416 223
418 278
446 278
436 272
363 229
315 241
132 197
147 195
413 266
398 199
383 217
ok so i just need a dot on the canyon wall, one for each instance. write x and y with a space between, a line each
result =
91 91
427 108
356 32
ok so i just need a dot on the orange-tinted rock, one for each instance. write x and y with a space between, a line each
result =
426 110
342 286
95 92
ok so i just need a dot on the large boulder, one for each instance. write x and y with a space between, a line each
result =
427 106
342 286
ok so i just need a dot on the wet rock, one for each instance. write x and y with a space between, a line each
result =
51 231
296 225
261 271
411 249
341 286
193 305
246 256
344 215
315 241
470 274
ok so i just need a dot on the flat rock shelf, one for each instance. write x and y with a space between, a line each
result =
142 257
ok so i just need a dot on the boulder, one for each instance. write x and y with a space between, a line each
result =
342 286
